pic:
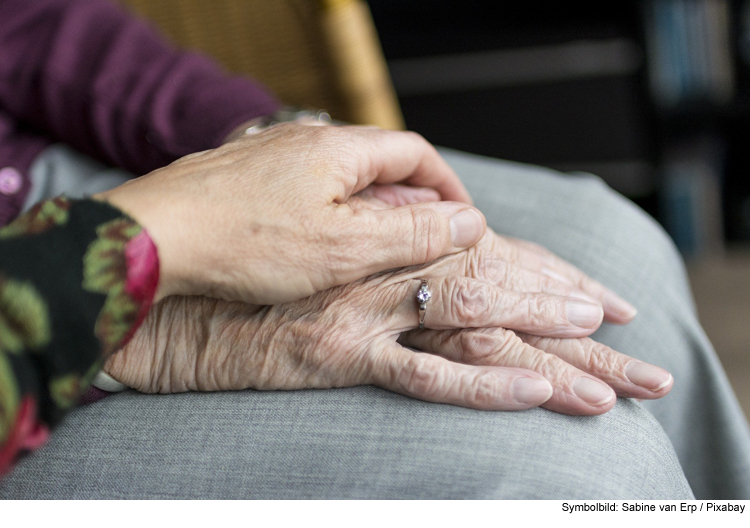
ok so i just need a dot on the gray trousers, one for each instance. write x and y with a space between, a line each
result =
365 442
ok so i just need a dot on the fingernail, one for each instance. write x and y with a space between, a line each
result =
613 303
467 227
584 314
531 391
647 376
592 392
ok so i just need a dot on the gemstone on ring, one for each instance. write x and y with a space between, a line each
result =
423 295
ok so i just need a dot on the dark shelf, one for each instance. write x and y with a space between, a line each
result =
584 120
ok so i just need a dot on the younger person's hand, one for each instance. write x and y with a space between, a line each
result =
265 219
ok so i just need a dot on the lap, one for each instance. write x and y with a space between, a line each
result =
366 443
612 240
360 442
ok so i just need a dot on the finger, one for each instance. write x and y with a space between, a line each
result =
395 195
617 310
460 302
482 264
403 236
490 267
406 157
574 391
434 379
537 258
629 377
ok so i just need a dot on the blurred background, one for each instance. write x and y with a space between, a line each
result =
651 95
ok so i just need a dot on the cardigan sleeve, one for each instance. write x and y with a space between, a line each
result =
18 150
89 74
77 278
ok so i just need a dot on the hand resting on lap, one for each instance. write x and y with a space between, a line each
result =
358 333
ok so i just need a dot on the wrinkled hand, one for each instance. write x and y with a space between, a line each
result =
264 219
510 263
352 335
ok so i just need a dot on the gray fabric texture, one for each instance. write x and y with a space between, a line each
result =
585 222
357 443
364 442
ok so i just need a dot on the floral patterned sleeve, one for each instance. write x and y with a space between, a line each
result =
77 278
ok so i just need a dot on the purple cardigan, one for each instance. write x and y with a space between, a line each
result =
86 73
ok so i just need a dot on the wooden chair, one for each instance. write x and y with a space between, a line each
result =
311 53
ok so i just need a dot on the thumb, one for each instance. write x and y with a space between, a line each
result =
416 233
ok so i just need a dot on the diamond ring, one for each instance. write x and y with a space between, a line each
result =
423 297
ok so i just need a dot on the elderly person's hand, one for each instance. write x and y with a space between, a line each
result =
264 219
510 263
352 335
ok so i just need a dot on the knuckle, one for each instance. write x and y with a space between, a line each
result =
482 390
342 156
484 346
476 346
551 367
467 303
420 376
333 144
490 268
602 359
542 312
510 349
429 235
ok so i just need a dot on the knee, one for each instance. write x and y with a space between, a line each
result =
616 236
623 224
614 456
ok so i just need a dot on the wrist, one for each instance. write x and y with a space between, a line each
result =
151 225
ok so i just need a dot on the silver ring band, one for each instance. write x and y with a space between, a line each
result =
423 297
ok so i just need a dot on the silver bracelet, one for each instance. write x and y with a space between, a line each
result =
290 115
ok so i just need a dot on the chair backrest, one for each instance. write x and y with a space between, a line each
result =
312 53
